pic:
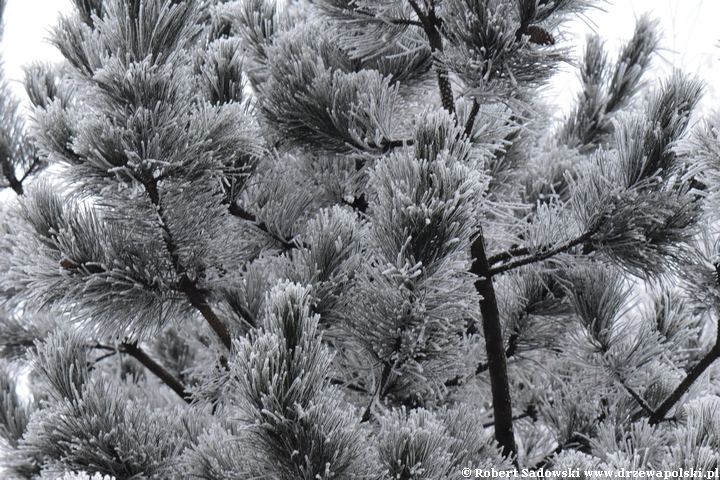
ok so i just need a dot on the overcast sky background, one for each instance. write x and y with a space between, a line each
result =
690 29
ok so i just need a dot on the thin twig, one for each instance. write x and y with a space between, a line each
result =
392 21
166 377
659 414
641 401
185 285
237 211
103 357
431 25
378 393
540 256
509 254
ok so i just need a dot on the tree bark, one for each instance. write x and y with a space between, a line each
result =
495 347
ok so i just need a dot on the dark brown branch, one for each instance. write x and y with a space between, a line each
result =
384 377
431 25
238 211
404 21
540 256
103 357
387 370
185 285
510 352
198 301
694 373
348 385
509 254
391 21
158 370
359 203
9 173
574 441
424 21
659 414
640 401
388 145
33 166
494 345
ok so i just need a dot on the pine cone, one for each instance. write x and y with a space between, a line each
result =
540 36
65 263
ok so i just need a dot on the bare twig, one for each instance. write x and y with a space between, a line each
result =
539 256
158 370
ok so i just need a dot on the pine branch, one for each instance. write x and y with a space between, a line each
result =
640 401
658 415
388 145
509 254
483 367
9 173
158 370
574 441
539 256
103 357
510 352
387 370
404 21
238 211
187 286
31 169
494 345
431 25
391 21
348 385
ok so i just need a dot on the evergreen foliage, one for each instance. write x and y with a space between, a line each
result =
339 239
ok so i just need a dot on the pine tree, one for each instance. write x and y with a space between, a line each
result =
346 239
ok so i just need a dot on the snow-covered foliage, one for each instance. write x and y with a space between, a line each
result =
338 239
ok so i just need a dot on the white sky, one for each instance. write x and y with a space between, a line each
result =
690 39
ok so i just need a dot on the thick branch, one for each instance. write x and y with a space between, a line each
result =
494 345
659 414
530 411
158 370
198 301
9 173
